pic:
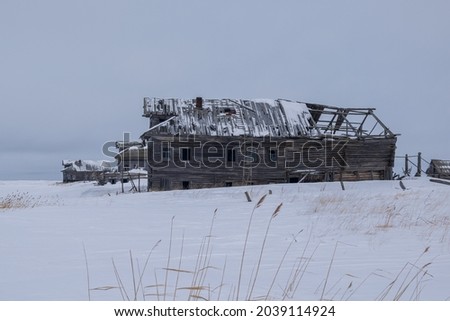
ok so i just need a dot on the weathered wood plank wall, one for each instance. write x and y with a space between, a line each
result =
211 164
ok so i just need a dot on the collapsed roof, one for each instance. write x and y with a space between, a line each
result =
258 118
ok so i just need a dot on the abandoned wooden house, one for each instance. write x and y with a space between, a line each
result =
85 170
198 143
439 168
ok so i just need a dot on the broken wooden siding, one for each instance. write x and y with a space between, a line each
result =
350 160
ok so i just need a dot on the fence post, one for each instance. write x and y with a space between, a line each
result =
419 165
406 165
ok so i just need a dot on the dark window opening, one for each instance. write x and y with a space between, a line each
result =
186 184
231 155
185 154
228 184
293 179
273 155
229 111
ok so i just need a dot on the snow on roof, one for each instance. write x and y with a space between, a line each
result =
258 118
128 144
87 165
298 117
230 117
137 171
134 151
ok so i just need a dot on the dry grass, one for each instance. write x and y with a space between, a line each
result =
179 282
19 200
198 288
260 202
390 213
409 281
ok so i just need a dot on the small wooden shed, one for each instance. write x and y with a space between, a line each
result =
439 168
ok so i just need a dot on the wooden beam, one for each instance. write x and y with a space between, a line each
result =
439 181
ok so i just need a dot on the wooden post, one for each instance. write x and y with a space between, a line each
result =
419 165
121 178
248 196
406 164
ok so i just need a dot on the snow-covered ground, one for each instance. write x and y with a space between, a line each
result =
372 241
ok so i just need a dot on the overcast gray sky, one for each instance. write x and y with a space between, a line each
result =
73 73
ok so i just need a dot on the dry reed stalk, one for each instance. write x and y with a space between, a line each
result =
87 273
168 257
260 202
133 275
157 287
141 275
258 265
123 292
405 284
223 277
203 259
281 264
179 267
328 272
404 287
298 271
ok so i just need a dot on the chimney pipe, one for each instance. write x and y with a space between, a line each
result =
199 103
